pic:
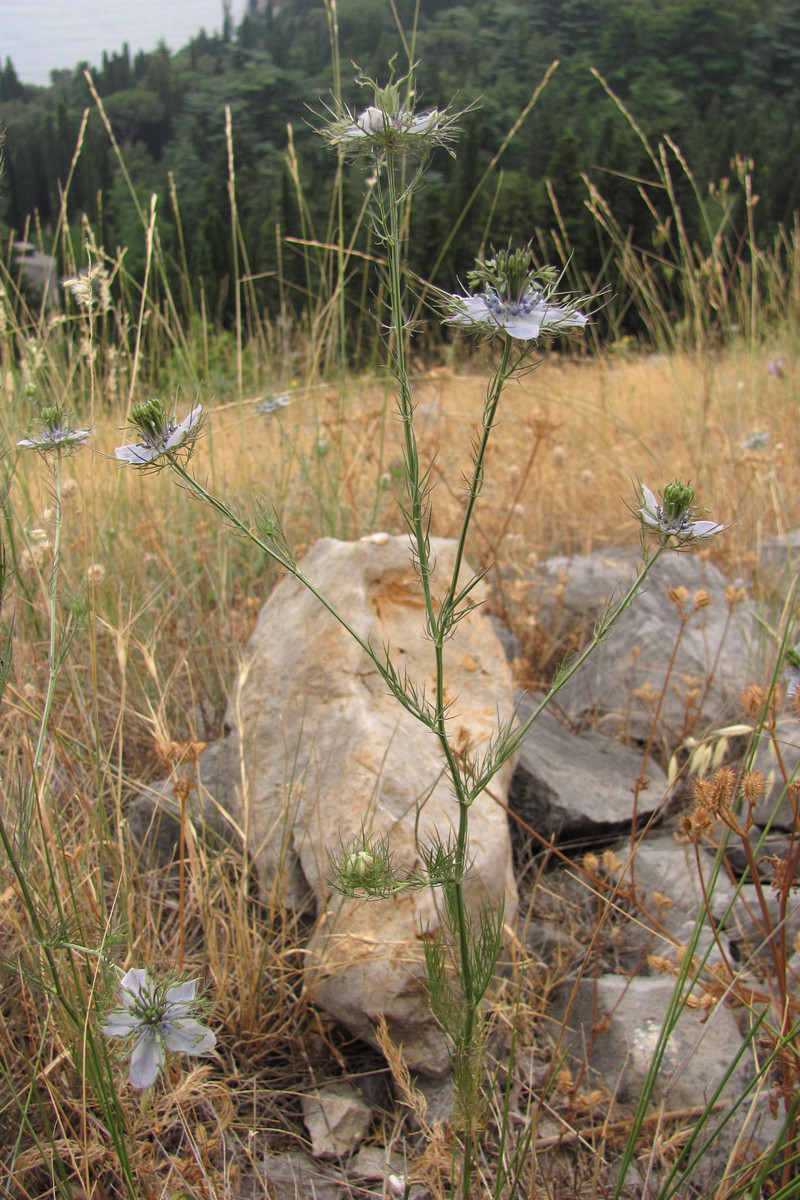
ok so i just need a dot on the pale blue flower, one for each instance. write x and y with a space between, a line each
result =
55 434
526 318
272 403
158 1018
515 297
375 122
159 432
674 515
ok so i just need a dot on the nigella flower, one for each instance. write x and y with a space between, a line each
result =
159 433
55 434
756 441
674 516
525 318
376 122
516 298
158 1018
386 125
273 403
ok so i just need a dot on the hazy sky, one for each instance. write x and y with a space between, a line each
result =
39 35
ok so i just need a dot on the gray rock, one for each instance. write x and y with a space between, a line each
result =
781 552
337 1120
666 868
569 787
775 809
295 1175
620 684
154 815
617 1023
39 273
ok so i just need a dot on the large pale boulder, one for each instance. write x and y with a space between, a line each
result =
320 750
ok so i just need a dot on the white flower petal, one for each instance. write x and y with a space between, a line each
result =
554 314
525 326
147 1059
189 1037
182 993
132 985
651 504
371 120
184 428
424 122
120 1023
137 454
702 529
179 1000
177 436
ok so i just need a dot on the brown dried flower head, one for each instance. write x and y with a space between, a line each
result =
703 792
752 700
753 785
696 824
590 863
723 785
677 596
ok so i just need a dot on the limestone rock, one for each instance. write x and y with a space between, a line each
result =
568 786
621 681
621 1020
318 750
775 809
294 1174
337 1120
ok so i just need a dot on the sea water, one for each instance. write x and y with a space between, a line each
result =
42 35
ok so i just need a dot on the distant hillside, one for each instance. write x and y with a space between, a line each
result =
720 80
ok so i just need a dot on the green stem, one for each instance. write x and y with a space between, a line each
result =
52 590
494 393
397 357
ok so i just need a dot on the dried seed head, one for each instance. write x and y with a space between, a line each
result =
664 966
611 863
701 599
752 700
677 596
735 595
696 824
753 785
703 792
590 863
723 785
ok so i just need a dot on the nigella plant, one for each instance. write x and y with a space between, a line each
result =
390 126
520 305
157 1016
672 517
54 434
161 438
514 298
